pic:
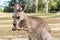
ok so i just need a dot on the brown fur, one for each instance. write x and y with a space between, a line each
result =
38 29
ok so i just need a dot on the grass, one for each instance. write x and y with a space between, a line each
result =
41 14
5 18
4 23
53 16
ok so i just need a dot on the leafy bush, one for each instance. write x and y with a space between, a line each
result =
1 10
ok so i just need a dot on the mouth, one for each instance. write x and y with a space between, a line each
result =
24 29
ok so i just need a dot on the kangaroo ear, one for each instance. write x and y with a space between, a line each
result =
16 6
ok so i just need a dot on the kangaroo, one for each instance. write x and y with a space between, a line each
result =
36 27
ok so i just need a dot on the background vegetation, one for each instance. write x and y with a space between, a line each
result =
54 6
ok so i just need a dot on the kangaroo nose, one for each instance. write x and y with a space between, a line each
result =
13 29
14 24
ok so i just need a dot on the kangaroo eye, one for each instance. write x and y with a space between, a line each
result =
18 10
18 17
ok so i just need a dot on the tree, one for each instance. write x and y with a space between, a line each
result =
36 5
53 6
41 5
46 6
30 7
10 7
58 5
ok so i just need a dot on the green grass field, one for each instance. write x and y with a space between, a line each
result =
6 24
